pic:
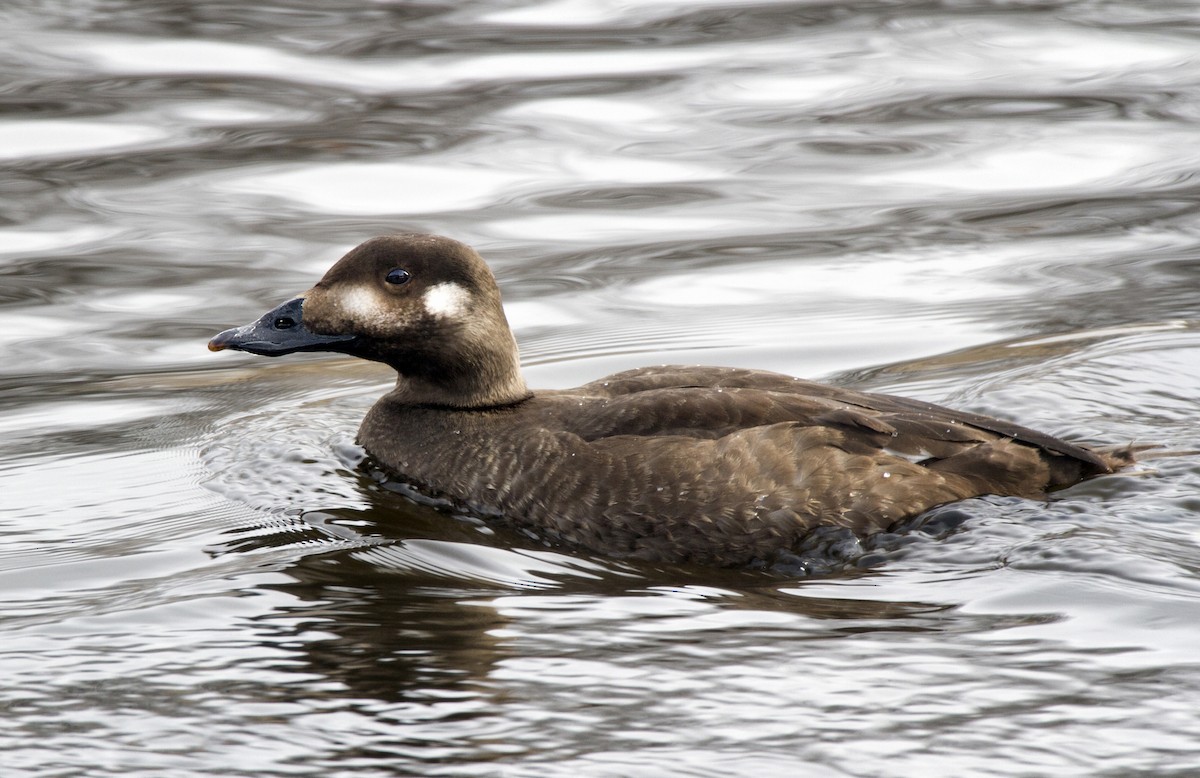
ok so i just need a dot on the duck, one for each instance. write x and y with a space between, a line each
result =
671 464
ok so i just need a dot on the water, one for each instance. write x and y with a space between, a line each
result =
987 204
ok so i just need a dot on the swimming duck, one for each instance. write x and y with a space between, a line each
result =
706 465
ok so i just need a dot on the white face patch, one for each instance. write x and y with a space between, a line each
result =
446 301
362 304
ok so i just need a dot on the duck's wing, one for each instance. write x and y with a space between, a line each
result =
710 402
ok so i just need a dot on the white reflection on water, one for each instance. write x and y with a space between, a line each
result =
25 139
376 188
626 115
614 228
461 183
139 56
217 113
1047 162
14 243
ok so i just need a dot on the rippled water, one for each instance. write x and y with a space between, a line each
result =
987 204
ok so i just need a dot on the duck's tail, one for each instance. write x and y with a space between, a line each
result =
1121 457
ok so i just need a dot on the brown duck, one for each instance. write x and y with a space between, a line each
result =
682 464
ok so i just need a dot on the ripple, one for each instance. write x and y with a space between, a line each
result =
473 562
627 198
1014 106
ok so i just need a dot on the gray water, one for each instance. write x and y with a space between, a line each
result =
992 205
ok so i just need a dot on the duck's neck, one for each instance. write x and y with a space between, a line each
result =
482 373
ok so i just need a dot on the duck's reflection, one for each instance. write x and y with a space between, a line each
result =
427 607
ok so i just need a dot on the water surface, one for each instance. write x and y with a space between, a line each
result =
986 204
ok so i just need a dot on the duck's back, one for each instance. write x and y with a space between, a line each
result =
712 465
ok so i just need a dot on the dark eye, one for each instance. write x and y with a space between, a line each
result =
398 276
284 323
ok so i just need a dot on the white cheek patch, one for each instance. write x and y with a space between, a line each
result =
362 304
446 301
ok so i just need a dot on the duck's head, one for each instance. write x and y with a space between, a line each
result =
427 306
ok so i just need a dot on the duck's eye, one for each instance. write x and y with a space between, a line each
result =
284 323
398 276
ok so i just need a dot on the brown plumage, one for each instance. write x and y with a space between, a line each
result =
698 464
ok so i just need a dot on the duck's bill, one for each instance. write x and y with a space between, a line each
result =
280 331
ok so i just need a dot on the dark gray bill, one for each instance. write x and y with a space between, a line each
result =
280 331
